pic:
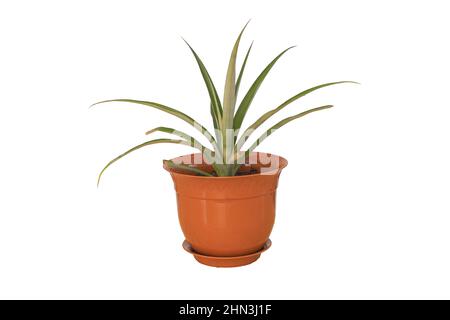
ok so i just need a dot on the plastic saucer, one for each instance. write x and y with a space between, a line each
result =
226 262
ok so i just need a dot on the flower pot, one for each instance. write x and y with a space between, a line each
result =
228 218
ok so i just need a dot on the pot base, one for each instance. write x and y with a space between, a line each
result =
226 262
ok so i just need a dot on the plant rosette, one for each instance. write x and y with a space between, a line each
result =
226 193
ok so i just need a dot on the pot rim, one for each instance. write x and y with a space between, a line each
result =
283 164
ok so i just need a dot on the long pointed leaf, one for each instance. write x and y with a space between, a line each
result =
282 123
171 111
247 133
239 79
241 73
136 148
183 167
214 118
245 104
217 131
191 140
215 100
229 96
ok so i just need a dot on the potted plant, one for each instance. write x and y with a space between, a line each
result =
225 193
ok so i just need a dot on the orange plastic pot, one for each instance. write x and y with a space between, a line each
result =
227 221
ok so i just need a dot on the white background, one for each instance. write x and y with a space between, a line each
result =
362 209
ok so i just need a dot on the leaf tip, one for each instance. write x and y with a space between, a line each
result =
103 101
94 104
185 41
245 26
151 131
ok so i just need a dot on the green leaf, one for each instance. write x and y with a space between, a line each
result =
229 96
215 100
171 111
247 100
247 133
241 73
238 81
184 167
156 141
189 139
213 116
282 123
217 131
194 142
229 102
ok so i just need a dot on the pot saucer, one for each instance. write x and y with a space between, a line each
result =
237 261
